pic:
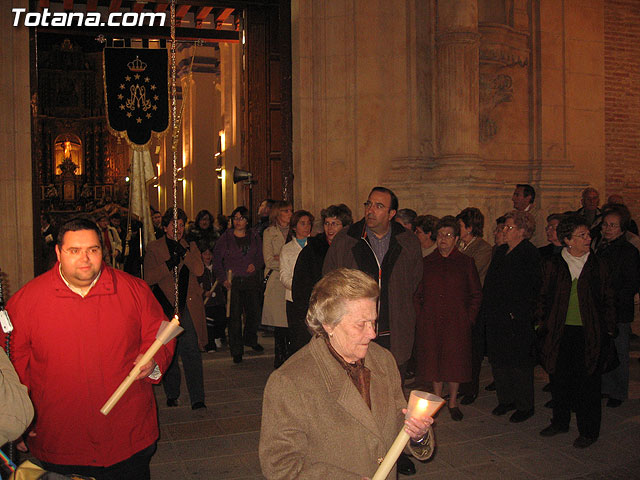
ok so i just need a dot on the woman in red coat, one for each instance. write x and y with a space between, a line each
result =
447 302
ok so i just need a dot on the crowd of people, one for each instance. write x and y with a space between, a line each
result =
440 298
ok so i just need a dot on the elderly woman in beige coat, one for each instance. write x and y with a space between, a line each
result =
274 311
334 409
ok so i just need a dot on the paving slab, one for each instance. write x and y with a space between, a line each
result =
222 442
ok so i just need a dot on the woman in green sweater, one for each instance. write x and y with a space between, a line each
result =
575 313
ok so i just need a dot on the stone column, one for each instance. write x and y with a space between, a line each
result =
232 116
200 126
16 214
457 89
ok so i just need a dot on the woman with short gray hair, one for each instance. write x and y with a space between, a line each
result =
336 405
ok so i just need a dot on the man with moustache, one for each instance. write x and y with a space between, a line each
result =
382 248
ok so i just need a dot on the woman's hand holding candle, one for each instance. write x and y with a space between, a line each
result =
417 428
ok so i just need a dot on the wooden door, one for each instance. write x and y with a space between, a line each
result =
268 107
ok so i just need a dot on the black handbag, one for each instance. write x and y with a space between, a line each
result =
608 359
265 280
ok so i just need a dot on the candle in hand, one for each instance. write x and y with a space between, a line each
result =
167 331
421 405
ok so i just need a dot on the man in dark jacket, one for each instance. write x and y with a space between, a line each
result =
623 261
385 250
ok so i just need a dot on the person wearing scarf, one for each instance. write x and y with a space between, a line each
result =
574 315
336 406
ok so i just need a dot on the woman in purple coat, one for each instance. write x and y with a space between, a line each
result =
447 302
239 249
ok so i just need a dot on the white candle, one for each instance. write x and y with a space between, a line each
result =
392 456
421 405
164 335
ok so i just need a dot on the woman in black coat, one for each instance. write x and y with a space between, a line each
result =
509 296
575 315
623 261
308 271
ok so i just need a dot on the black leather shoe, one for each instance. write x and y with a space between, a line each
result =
468 399
456 414
172 402
491 387
614 403
549 404
237 358
257 348
584 442
521 415
198 406
405 466
552 430
503 408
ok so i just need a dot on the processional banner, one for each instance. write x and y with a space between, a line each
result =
136 92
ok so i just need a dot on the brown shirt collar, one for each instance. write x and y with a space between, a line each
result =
357 372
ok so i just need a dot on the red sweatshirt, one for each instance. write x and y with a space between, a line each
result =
73 352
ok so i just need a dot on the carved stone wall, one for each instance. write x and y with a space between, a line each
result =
477 96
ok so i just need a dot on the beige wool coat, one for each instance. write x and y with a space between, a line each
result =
274 311
315 424
156 272
17 411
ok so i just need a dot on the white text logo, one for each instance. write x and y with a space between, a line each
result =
89 19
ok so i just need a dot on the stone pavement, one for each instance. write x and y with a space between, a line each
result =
222 443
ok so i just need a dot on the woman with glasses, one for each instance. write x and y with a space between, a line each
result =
447 302
509 297
498 233
623 262
554 246
575 310
202 231
239 249
308 271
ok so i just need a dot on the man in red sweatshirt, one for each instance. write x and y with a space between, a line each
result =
78 330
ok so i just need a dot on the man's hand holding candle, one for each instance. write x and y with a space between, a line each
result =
145 370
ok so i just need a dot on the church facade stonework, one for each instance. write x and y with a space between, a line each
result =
448 103
451 104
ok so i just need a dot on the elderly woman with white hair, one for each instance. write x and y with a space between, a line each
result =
334 409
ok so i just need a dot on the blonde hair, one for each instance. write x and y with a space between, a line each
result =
275 210
327 304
